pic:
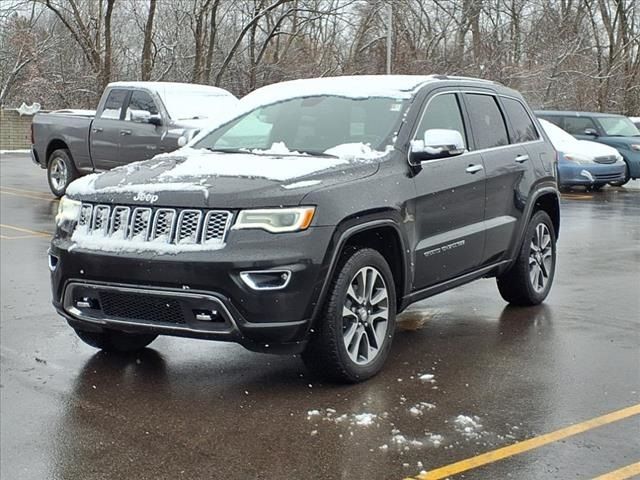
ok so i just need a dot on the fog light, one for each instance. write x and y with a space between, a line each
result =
53 262
205 315
88 302
266 279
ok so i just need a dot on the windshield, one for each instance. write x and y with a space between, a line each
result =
311 124
186 105
618 127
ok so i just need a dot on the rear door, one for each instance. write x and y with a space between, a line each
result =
449 202
505 166
139 139
104 137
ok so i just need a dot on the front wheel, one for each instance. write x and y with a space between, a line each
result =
626 178
115 341
60 171
529 279
353 337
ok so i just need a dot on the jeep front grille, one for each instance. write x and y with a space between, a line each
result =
165 225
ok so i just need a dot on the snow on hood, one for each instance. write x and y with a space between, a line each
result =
593 149
189 169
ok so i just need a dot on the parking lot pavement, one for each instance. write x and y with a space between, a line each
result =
467 376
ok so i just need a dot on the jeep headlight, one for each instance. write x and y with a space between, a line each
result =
276 220
68 210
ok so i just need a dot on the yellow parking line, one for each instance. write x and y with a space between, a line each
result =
622 473
4 191
526 445
16 189
34 233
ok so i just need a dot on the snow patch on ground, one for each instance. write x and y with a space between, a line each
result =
418 409
426 377
14 151
469 426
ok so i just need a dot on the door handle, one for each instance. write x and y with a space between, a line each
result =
522 158
125 132
96 130
474 168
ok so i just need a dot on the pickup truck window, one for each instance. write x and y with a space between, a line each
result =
113 105
311 124
489 129
443 111
140 102
523 128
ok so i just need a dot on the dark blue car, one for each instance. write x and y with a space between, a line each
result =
614 130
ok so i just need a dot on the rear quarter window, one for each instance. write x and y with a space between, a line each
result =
487 123
522 127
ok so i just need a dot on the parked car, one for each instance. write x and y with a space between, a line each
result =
305 223
636 121
616 131
134 121
585 163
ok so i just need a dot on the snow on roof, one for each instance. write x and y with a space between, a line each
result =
161 87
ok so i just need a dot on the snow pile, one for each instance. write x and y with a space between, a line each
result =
304 184
418 409
356 151
469 426
97 241
277 148
426 377
364 419
199 162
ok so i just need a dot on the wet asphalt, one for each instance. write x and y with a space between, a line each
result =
195 409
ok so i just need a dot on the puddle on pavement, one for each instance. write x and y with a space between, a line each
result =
412 320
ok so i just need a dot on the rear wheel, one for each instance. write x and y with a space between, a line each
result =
530 278
115 341
353 338
60 171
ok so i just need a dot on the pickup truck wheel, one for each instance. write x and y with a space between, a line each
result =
352 339
115 341
529 280
60 171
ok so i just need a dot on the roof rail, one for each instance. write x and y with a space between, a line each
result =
456 77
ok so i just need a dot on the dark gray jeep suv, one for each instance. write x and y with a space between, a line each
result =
306 221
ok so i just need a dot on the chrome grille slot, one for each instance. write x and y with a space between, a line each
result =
101 219
163 224
606 159
141 223
157 225
85 214
189 225
120 222
215 226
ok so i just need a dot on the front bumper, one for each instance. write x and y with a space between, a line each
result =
195 282
591 174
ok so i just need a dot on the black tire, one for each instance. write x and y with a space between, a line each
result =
598 187
61 171
326 353
627 177
115 341
516 285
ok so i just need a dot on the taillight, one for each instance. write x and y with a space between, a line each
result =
32 138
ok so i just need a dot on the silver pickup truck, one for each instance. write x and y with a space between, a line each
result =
134 121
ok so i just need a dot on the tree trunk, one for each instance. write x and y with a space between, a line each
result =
147 64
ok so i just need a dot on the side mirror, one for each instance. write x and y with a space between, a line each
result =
591 132
155 120
437 143
140 116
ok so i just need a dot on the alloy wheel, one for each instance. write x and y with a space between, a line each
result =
59 173
365 316
540 258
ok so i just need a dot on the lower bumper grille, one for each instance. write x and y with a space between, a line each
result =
141 307
608 176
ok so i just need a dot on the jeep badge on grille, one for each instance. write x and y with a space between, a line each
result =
146 197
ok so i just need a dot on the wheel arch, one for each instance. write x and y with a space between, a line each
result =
379 232
55 144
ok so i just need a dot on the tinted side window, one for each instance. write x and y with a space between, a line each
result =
443 111
487 123
557 121
141 102
113 105
523 128
577 125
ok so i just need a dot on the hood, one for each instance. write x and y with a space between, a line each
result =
202 179
196 123
593 149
